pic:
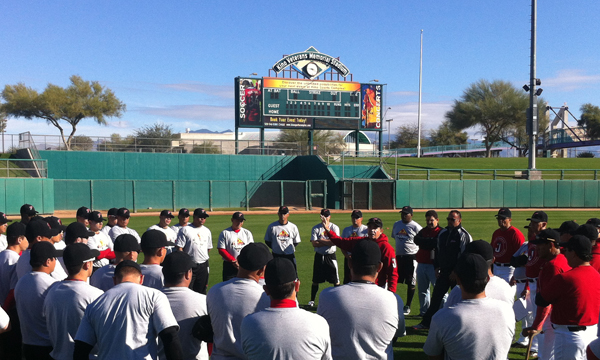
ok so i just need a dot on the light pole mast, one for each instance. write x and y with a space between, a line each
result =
532 116
420 87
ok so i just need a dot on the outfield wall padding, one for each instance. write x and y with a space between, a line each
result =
16 192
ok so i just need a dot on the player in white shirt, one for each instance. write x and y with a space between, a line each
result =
3 225
154 246
283 236
231 301
82 216
231 241
38 231
126 321
163 225
30 293
356 230
58 239
123 216
111 215
67 300
4 321
126 248
325 265
187 305
100 240
184 220
196 241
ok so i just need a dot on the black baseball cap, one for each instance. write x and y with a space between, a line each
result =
112 212
538 216
28 210
594 221
129 263
471 267
37 228
126 243
76 230
96 216
375 221
77 254
254 256
568 227
123 212
83 212
16 229
238 215
325 212
504 213
184 212
4 219
280 271
167 214
42 251
366 252
482 248
580 244
587 230
154 239
55 223
406 210
357 214
283 210
177 262
546 235
201 213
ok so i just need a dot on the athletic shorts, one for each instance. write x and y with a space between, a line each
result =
407 266
325 268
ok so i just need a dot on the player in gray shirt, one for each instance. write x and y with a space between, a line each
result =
283 236
325 266
154 246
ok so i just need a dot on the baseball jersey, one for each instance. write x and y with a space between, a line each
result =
505 243
117 230
534 262
285 333
283 238
178 227
187 306
519 273
169 232
64 307
23 267
8 266
318 232
4 319
3 242
30 293
195 241
464 332
125 322
234 240
365 306
228 304
103 277
426 240
153 276
101 241
405 237
496 288
106 228
351 231
548 271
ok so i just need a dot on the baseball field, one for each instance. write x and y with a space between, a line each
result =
479 223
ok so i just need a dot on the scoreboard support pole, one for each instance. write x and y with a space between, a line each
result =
262 141
380 143
310 141
356 142
236 140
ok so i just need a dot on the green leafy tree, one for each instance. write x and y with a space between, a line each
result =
80 100
407 135
517 136
446 135
157 136
82 142
207 147
590 119
116 143
326 141
492 107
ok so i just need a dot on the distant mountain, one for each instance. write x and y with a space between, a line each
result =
206 131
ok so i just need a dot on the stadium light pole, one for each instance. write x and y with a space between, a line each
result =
389 121
419 111
532 115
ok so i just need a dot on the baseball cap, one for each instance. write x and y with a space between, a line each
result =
184 212
123 212
83 212
580 244
538 216
201 213
42 251
546 235
167 213
55 223
325 212
568 227
407 210
375 221
357 214
96 216
77 254
254 256
587 230
177 262
112 212
471 267
238 216
37 228
4 219
366 252
154 239
76 230
16 229
28 210
482 248
504 213
594 221
129 263
126 242
280 271
283 210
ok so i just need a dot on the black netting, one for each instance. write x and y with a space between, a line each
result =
382 193
361 195
294 194
267 194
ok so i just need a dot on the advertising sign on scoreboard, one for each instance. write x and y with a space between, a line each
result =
249 102
371 106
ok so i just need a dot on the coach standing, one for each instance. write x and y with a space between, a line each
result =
231 241
357 229
196 241
283 236
506 241
325 266
426 240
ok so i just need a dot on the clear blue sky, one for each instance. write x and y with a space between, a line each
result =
175 61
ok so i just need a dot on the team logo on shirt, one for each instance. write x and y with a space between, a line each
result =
499 246
283 237
354 234
238 244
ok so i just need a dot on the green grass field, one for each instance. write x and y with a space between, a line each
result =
480 224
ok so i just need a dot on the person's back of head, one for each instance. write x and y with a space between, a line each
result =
483 248
365 260
128 271
177 268
153 245
472 272
79 257
252 259
126 247
280 278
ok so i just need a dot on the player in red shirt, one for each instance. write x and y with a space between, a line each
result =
426 239
595 262
505 241
388 276
555 263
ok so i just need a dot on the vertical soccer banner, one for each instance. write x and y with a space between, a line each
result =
249 102
371 106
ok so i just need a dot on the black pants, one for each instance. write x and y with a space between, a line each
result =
34 352
347 275
200 278
229 271
442 285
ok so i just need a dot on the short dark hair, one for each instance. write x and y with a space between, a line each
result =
457 213
282 291
474 286
13 239
173 279
431 213
150 251
74 269
365 270
126 271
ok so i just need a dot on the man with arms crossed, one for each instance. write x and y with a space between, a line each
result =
506 241
111 215
283 236
231 241
123 216
325 266
196 241
100 240
426 240
163 225
357 229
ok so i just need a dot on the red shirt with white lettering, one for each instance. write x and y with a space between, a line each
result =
534 262
505 243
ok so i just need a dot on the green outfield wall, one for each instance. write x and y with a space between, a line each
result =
16 192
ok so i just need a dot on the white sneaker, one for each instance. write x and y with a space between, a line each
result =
311 303
406 310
